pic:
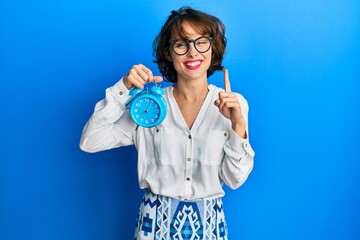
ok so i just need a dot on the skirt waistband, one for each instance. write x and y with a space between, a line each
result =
149 192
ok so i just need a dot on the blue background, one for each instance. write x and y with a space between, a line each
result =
296 62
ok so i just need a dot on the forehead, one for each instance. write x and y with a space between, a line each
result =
188 30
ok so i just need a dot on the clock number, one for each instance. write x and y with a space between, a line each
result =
146 110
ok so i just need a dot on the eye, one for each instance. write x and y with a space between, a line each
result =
180 44
202 41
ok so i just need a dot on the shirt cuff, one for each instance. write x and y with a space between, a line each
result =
114 104
120 92
240 145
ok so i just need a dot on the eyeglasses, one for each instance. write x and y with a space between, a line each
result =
181 46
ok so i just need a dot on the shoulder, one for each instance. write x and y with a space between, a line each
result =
168 91
168 88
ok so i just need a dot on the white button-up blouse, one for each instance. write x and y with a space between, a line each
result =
174 160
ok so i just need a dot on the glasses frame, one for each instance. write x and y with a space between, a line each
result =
172 43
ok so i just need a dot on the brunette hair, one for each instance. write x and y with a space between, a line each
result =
204 23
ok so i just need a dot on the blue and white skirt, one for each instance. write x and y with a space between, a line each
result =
164 218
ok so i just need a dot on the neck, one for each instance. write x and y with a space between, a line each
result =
192 92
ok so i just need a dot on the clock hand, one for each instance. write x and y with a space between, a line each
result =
149 106
147 109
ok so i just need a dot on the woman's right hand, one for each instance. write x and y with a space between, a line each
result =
138 76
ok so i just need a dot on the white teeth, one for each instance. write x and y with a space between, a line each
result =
192 64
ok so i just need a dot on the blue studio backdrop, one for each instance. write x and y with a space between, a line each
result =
296 62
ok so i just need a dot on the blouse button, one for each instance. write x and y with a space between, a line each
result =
188 159
225 134
157 130
189 136
121 93
188 179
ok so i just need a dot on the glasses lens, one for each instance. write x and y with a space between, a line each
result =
180 47
202 44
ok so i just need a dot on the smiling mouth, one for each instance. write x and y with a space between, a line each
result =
193 65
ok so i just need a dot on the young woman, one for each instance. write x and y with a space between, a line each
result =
202 143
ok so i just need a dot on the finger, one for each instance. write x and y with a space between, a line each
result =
228 105
227 102
158 78
226 81
148 73
227 95
143 72
227 98
134 73
136 82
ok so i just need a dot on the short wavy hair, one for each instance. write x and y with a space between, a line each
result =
204 23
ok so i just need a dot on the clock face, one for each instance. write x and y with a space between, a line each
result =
146 111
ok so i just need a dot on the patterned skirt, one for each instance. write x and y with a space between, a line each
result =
164 218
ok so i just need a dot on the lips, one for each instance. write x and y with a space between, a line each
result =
193 65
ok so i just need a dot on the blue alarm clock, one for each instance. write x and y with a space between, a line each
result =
147 107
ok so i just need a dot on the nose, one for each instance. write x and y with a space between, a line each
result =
192 50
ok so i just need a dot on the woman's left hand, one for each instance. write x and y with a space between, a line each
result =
229 106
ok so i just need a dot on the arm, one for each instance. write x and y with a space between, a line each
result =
238 160
109 127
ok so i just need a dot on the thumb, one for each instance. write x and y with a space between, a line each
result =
158 78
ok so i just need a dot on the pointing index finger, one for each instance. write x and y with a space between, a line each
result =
226 81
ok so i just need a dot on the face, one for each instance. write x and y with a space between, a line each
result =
193 65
